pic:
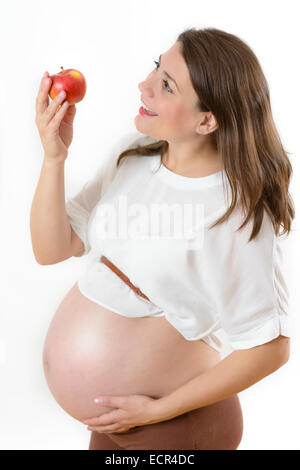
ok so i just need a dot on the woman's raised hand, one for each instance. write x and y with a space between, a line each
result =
54 121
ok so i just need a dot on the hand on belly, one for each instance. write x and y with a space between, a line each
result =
90 351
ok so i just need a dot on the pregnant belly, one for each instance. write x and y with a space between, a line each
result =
90 350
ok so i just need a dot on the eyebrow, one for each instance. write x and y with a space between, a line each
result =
166 73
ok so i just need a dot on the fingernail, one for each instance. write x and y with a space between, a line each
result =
98 400
61 94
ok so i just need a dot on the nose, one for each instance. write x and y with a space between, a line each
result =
146 85
146 90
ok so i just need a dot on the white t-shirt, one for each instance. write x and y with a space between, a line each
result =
153 225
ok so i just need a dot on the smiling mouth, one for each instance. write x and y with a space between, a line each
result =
144 112
147 109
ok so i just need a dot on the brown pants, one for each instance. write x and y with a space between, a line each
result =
214 427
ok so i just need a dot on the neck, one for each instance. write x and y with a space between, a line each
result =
202 162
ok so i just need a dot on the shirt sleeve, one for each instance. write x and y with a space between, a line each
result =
80 206
247 281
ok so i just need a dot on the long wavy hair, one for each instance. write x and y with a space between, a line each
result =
230 83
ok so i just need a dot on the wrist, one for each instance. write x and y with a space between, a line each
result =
159 411
53 162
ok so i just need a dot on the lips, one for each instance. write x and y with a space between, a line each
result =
149 107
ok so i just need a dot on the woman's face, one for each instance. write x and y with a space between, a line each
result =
173 102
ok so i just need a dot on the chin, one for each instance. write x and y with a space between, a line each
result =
150 131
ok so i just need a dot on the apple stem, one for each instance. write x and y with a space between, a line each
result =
62 68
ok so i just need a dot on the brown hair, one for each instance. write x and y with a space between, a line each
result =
230 83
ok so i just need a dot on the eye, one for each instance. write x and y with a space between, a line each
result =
165 82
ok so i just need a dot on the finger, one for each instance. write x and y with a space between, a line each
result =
70 114
42 100
99 421
112 401
55 122
54 106
106 429
108 418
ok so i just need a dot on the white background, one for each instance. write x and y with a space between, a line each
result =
114 45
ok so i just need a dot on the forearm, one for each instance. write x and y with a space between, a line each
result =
49 224
235 373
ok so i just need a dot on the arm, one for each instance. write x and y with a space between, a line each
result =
49 224
235 373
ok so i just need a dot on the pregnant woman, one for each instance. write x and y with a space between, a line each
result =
182 225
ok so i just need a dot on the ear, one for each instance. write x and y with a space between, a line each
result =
207 123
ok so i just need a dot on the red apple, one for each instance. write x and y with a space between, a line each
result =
72 82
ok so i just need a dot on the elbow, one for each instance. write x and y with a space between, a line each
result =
274 354
44 262
282 345
284 342
285 357
41 263
38 260
283 360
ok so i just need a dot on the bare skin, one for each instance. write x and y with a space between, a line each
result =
179 122
86 354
